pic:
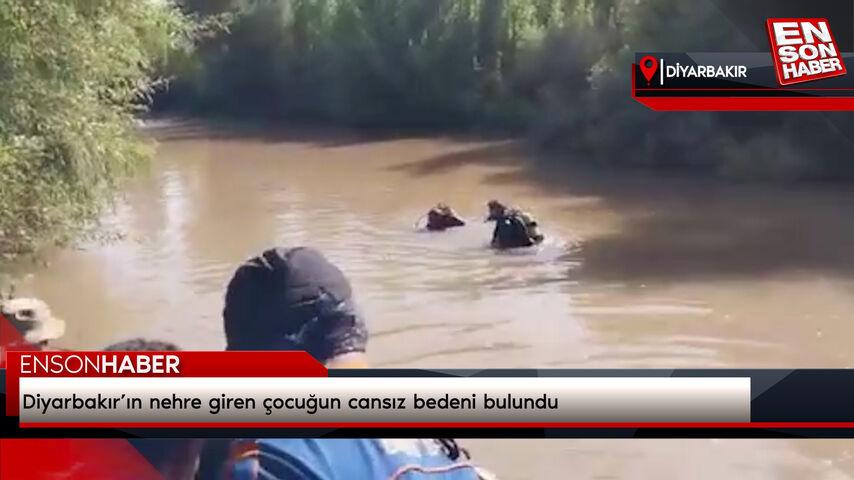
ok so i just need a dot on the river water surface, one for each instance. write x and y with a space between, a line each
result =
636 272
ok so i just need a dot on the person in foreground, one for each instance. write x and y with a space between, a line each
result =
173 458
295 299
442 217
33 319
514 228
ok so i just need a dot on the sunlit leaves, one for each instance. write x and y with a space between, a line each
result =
72 73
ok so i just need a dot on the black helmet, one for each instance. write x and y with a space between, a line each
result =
292 299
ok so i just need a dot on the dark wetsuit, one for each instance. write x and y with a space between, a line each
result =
515 229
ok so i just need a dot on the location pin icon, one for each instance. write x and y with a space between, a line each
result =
648 66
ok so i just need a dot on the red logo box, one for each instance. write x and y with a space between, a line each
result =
804 49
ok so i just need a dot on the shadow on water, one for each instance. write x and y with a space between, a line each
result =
677 227
504 153
171 130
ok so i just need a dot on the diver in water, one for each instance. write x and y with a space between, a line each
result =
442 217
514 228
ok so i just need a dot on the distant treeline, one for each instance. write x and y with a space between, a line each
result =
74 73
394 63
556 70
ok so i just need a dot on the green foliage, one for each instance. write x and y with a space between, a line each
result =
555 69
366 62
72 74
596 120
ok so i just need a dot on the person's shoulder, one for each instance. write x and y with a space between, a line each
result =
523 214
328 459
255 459
425 458
322 459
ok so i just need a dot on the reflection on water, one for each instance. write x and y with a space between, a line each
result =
635 273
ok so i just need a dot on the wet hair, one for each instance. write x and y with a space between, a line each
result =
142 345
496 205
497 210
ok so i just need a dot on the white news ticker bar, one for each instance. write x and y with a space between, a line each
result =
578 399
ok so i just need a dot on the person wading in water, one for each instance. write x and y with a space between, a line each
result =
514 228
442 217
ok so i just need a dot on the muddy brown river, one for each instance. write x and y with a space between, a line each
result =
637 271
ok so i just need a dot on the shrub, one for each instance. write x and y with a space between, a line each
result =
72 75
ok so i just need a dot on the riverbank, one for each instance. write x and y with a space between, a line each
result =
628 244
640 273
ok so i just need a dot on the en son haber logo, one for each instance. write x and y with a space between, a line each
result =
804 50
